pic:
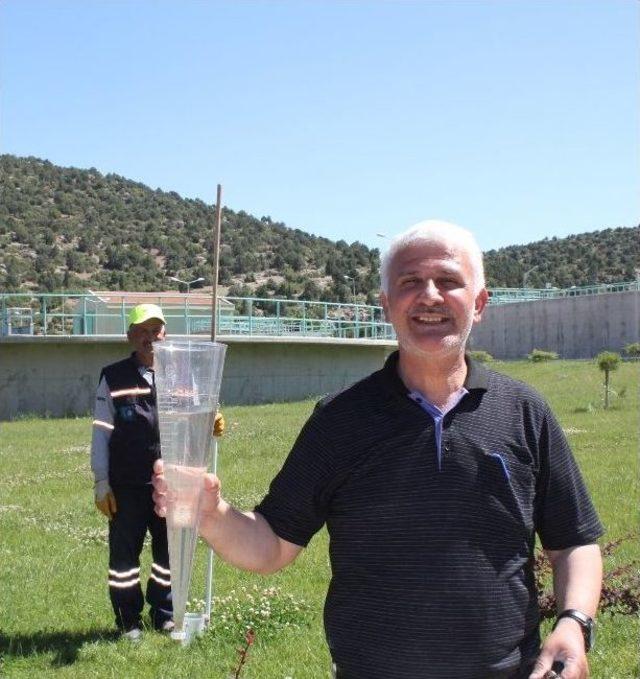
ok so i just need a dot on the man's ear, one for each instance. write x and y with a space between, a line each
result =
384 302
482 299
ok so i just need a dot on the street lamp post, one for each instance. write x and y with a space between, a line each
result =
187 283
353 285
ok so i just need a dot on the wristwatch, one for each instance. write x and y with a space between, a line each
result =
588 626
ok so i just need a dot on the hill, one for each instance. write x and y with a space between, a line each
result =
607 256
73 229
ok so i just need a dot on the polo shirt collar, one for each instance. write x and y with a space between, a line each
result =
477 375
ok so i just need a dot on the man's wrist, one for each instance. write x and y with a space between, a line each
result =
581 623
209 518
101 488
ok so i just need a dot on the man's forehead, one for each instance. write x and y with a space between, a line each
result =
442 255
149 323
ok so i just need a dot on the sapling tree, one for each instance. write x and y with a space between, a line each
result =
607 361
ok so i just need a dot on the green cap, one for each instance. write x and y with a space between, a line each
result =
143 312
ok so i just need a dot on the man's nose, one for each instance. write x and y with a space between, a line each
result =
430 292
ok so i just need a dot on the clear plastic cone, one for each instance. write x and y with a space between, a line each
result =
188 377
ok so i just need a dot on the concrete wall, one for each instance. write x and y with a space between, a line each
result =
574 327
58 376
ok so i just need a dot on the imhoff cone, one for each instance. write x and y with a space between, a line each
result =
188 377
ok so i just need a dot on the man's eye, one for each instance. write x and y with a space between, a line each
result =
408 281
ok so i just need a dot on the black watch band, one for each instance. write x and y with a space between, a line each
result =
586 623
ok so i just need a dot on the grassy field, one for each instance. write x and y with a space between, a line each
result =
55 617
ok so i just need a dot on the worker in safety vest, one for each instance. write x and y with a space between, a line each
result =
124 446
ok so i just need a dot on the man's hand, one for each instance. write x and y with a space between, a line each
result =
104 499
159 489
211 498
218 425
577 577
243 539
209 503
566 644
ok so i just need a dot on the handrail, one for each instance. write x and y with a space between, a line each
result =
87 314
508 295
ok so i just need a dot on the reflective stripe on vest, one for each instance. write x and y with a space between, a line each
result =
134 391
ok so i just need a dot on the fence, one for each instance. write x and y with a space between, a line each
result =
510 295
90 315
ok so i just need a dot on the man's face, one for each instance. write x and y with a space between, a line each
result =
143 335
432 301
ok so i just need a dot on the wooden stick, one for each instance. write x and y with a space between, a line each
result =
214 298
216 263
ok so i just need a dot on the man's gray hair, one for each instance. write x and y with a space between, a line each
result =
434 231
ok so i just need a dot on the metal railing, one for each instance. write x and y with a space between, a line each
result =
510 295
91 315
88 314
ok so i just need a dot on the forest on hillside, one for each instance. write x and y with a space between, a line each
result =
69 229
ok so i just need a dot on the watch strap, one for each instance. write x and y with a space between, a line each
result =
585 622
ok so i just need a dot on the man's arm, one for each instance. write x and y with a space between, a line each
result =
243 539
577 581
103 416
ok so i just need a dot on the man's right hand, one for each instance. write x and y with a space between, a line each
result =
243 539
210 501
105 500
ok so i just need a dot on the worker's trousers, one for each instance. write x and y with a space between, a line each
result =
127 530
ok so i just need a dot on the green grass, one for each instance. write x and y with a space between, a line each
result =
55 617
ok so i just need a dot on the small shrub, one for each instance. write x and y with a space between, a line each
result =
540 355
607 361
481 356
633 350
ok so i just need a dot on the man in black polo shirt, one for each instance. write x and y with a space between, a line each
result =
433 476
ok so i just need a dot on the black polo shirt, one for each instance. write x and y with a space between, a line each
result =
432 569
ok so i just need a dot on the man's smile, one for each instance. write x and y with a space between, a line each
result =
429 317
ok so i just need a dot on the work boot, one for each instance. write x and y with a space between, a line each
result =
167 627
134 634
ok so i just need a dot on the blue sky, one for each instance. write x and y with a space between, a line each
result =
516 119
